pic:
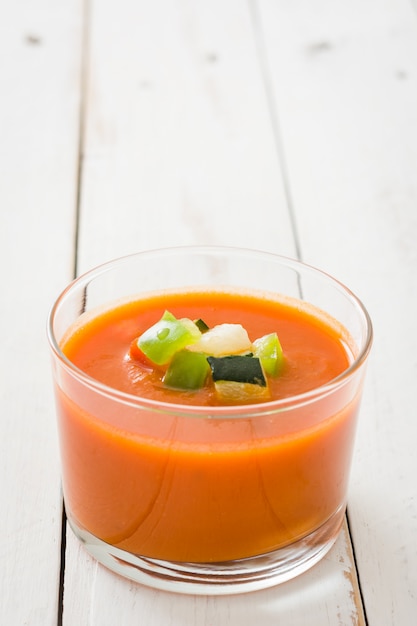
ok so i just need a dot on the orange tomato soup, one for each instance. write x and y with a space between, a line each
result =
168 485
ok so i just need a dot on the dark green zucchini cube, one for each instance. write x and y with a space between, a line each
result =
237 368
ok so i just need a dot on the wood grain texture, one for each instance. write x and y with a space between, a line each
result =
39 72
324 595
345 86
178 145
285 126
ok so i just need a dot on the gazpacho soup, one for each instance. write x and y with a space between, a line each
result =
201 459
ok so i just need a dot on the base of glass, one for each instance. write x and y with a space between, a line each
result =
228 577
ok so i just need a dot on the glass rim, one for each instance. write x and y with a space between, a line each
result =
222 411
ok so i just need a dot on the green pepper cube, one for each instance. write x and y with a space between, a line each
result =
162 340
187 370
268 349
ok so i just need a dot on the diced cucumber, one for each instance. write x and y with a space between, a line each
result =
187 370
201 325
232 392
240 369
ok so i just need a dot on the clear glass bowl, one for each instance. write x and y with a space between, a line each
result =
206 500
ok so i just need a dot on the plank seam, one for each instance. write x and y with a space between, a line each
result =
81 127
265 72
352 547
62 567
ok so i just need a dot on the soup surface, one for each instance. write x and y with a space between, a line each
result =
169 486
314 350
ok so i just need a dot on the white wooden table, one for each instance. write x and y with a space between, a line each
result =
283 125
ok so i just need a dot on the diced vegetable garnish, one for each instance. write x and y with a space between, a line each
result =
188 354
232 392
187 370
223 340
201 325
241 369
162 340
269 351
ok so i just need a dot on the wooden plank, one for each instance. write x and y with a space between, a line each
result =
317 598
180 149
39 84
345 87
